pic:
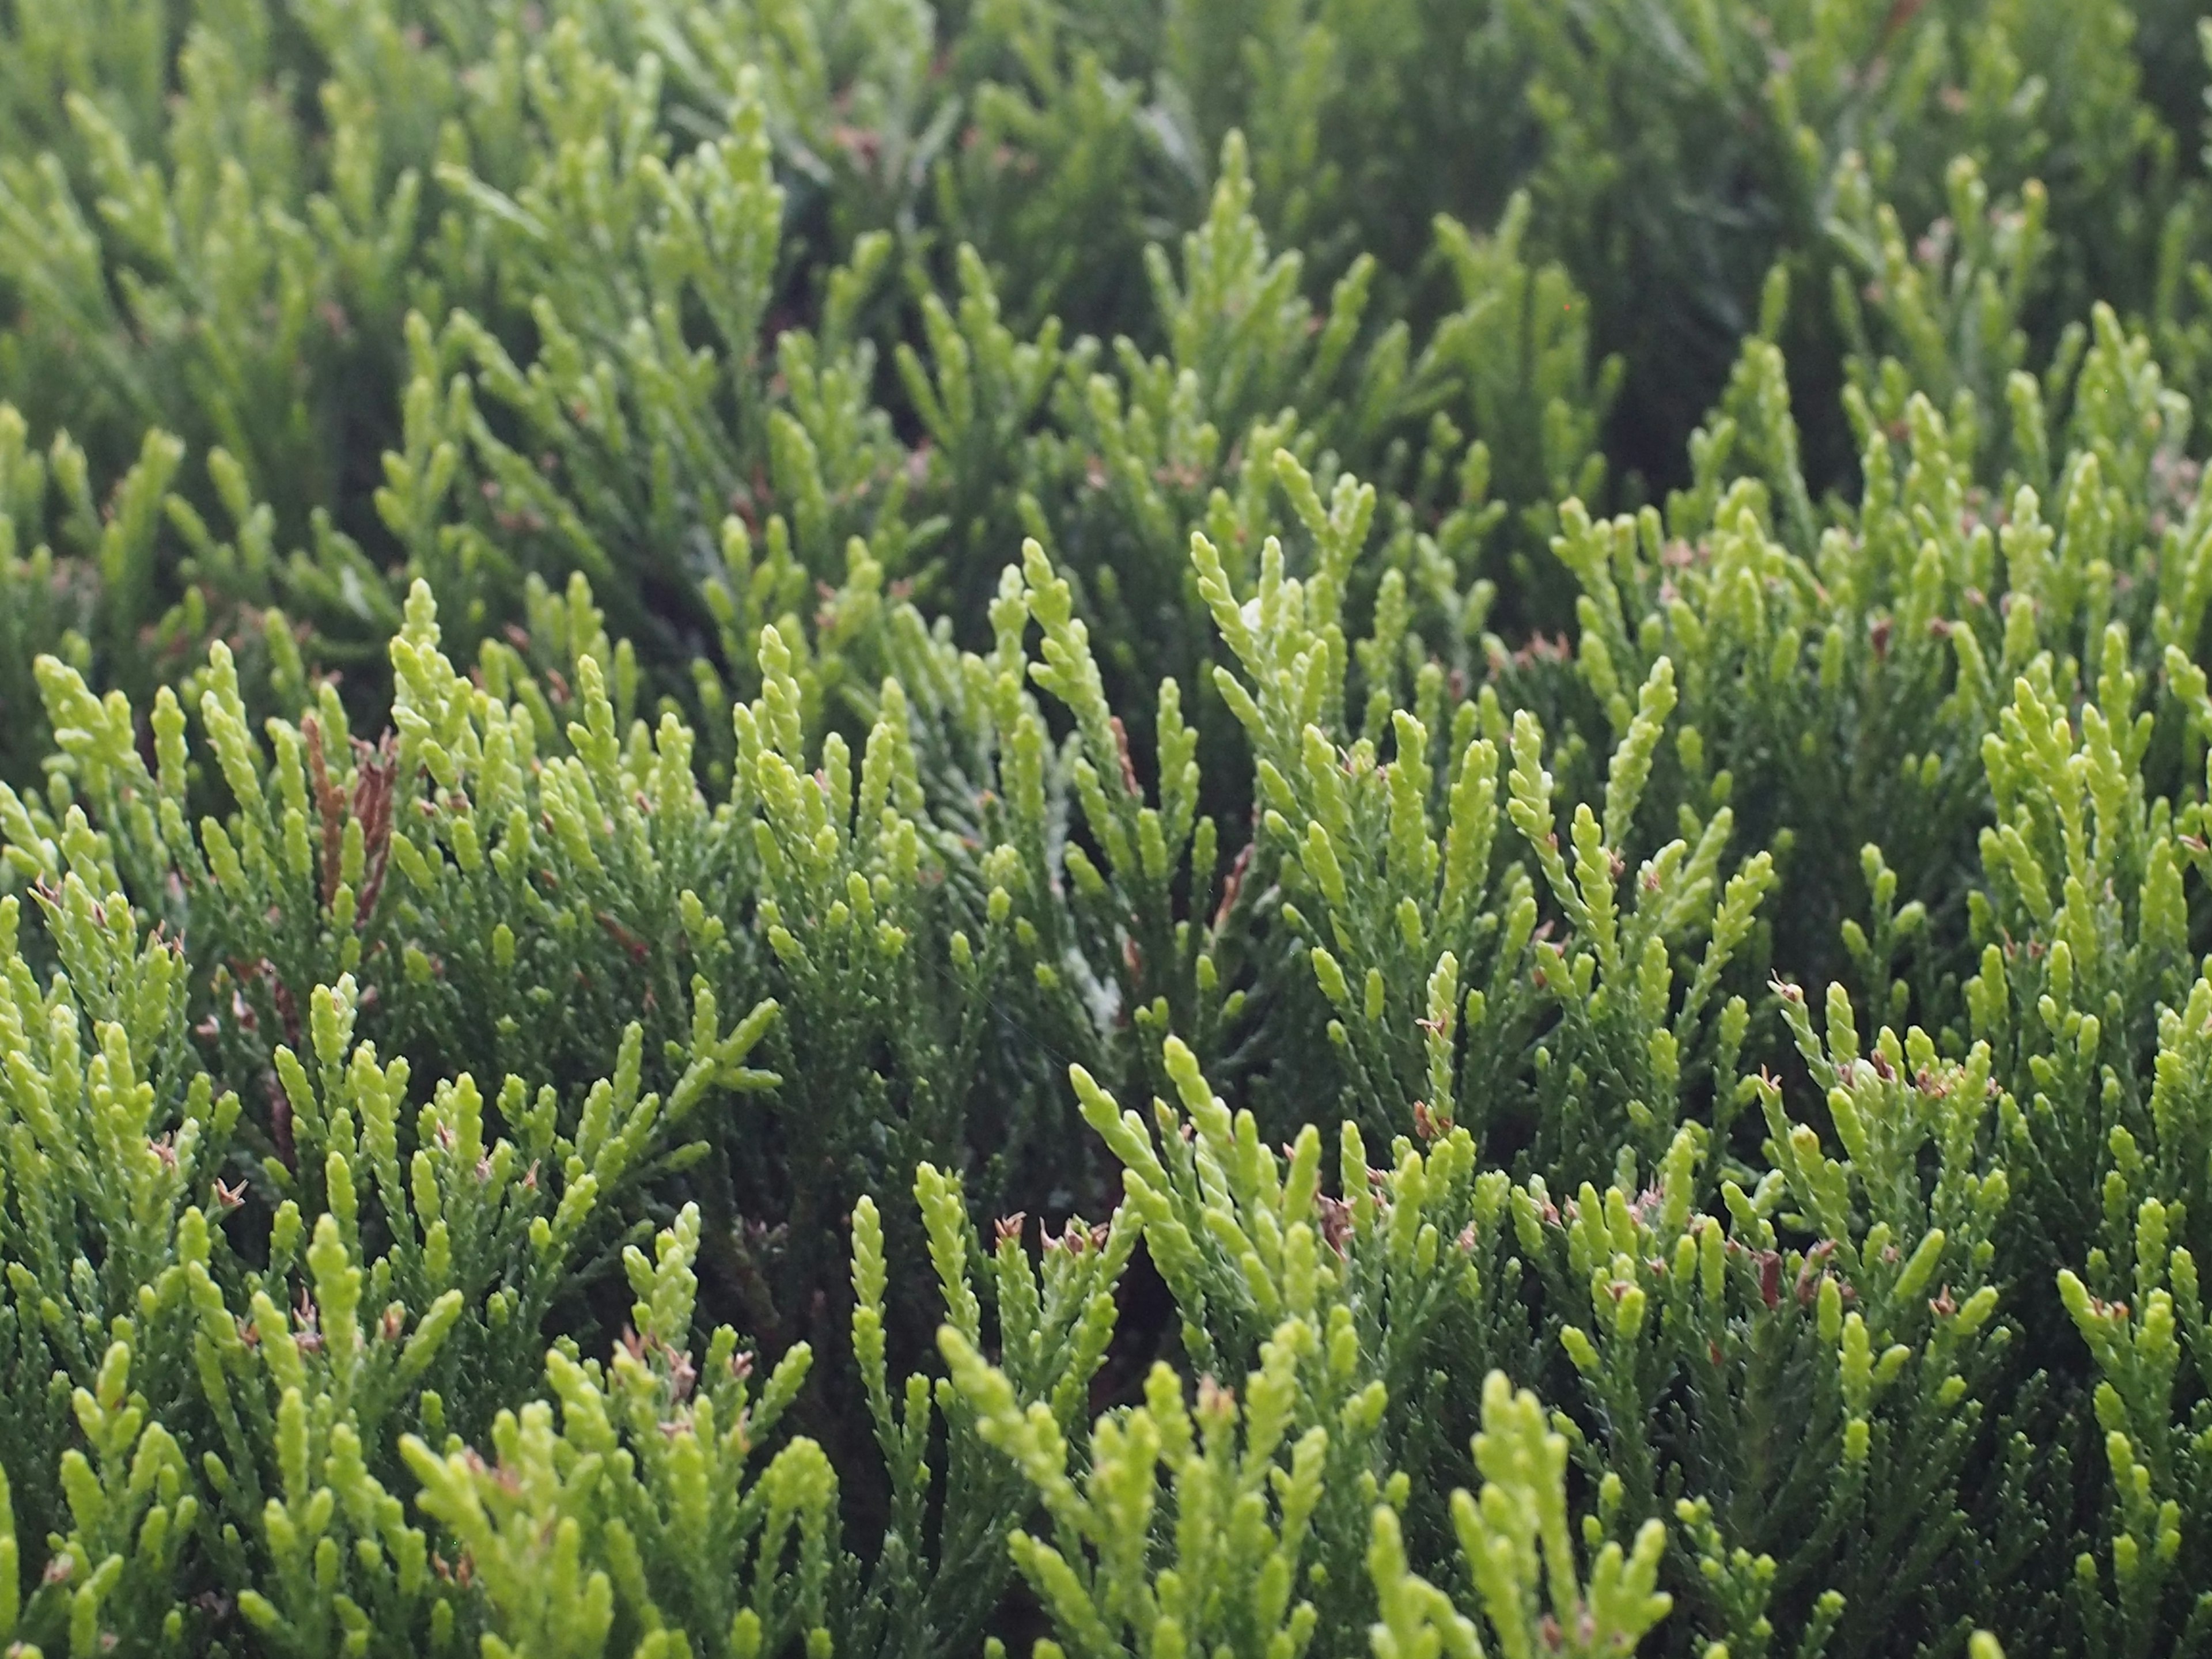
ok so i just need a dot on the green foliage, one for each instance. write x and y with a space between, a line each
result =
1520 1555
642 1508
1419 707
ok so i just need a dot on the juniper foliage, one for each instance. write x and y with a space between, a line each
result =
849 827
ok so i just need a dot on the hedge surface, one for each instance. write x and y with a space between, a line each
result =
1128 827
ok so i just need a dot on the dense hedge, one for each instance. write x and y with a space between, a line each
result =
836 828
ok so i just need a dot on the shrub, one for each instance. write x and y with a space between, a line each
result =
1458 733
